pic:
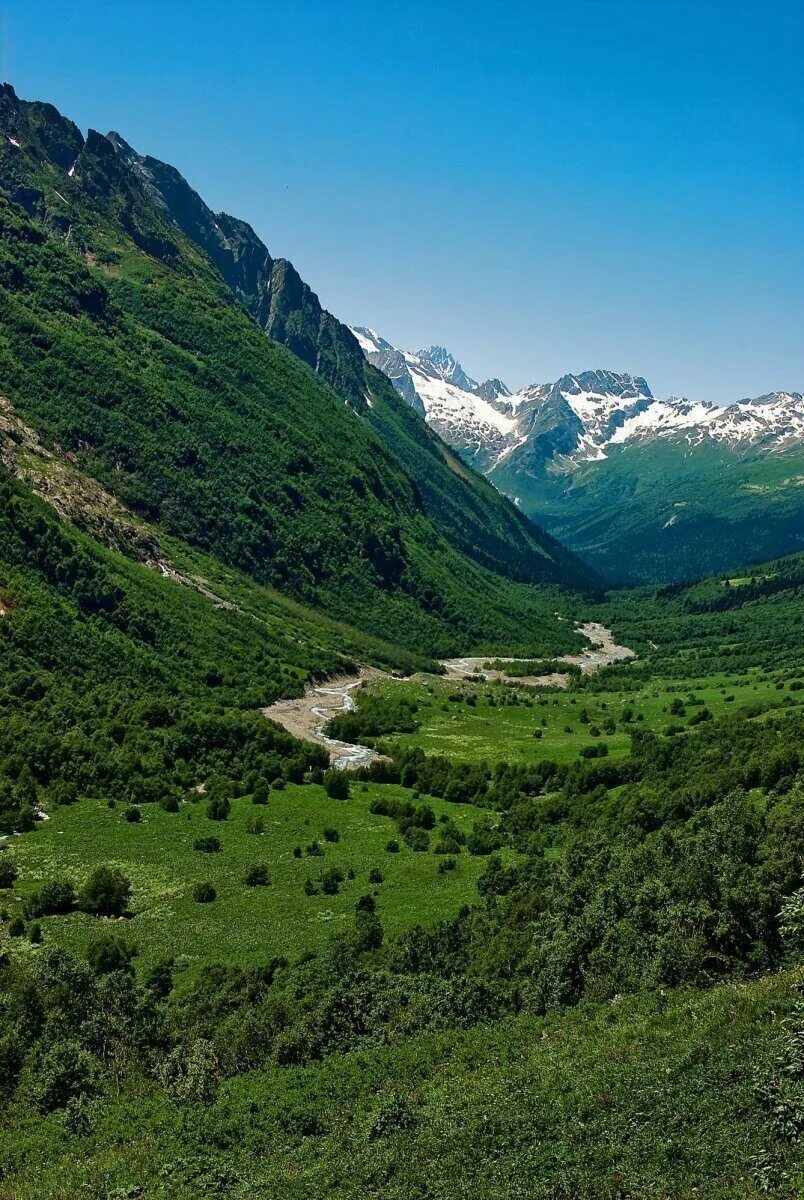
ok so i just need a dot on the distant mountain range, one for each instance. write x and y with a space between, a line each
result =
644 488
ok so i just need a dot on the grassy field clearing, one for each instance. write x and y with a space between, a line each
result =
503 721
244 924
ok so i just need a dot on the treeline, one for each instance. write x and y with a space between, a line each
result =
685 875
117 683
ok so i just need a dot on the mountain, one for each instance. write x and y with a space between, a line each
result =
128 353
642 488
468 512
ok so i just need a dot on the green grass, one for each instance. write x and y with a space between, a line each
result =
495 733
245 925
651 1097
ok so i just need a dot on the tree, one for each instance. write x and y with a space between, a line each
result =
219 808
108 952
106 893
336 785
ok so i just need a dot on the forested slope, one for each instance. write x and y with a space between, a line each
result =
123 345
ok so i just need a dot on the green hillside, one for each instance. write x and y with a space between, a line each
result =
465 508
122 345
656 512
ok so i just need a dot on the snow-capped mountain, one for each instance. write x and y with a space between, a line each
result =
579 418
643 488
476 418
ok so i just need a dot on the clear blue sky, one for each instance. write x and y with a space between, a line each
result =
541 187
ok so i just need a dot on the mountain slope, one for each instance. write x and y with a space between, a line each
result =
642 488
122 345
470 514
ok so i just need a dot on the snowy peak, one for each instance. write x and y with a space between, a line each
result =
578 418
492 389
447 367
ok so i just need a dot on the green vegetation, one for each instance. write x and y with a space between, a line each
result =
168 855
656 512
549 946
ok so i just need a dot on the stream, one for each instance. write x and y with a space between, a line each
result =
306 717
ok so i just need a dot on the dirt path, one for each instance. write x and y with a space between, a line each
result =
306 716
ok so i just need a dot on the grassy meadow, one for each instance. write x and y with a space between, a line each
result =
243 925
475 722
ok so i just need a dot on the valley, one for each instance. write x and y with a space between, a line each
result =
401 779
642 488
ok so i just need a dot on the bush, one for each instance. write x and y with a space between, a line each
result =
106 893
207 845
393 846
60 1072
448 845
314 850
331 881
261 793
418 839
219 808
331 835
57 896
310 888
8 872
375 875
255 825
257 876
35 933
16 927
170 804
336 785
446 864
132 814
204 893
107 953
483 840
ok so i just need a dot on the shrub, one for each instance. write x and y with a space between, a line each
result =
331 881
8 872
336 785
35 933
331 835
61 1071
448 845
207 845
204 893
107 953
57 896
16 927
132 814
261 793
106 893
310 888
170 804
219 808
314 850
375 875
483 839
255 825
393 846
257 876
446 864
297 851
418 839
